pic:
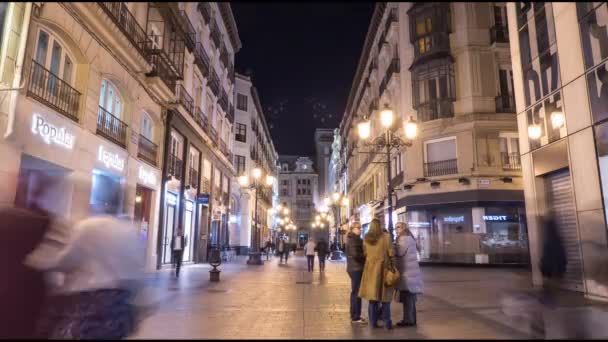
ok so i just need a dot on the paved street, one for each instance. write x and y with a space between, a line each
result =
278 301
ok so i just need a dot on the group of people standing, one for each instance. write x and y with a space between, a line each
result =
368 261
322 251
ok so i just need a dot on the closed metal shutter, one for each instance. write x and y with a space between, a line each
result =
561 200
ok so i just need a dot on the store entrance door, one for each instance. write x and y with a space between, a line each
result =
189 231
143 205
169 226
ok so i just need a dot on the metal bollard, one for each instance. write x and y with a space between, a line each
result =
215 260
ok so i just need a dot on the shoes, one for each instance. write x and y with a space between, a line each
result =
359 321
404 324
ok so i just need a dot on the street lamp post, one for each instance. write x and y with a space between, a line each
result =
387 141
336 201
255 257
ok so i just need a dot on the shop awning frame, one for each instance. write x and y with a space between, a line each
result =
482 198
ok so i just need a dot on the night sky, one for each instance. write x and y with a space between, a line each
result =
303 57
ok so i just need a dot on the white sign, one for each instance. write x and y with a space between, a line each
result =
453 219
111 160
147 176
484 182
51 133
495 217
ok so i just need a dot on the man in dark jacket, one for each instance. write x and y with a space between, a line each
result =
354 266
322 252
178 245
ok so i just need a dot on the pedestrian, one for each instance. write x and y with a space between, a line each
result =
282 249
267 248
379 256
410 282
102 267
322 251
178 244
309 250
354 267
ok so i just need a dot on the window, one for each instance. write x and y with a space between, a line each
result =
207 169
109 98
433 89
239 164
509 150
440 157
57 61
285 182
241 102
429 27
146 126
241 132
209 106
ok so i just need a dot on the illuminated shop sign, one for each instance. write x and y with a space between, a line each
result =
453 219
494 217
51 133
111 160
147 176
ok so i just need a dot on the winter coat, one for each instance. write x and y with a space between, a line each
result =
554 260
407 264
354 253
377 257
321 249
310 247
282 246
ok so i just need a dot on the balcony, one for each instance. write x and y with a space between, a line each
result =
184 99
215 83
205 186
161 67
505 103
205 10
441 168
147 150
230 113
510 161
174 167
373 106
393 68
111 128
213 132
224 148
201 119
436 109
193 178
201 59
215 34
224 100
51 90
188 30
436 44
499 34
126 22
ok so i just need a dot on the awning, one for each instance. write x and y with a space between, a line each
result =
482 198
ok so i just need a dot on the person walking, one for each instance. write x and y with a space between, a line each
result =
379 255
410 281
178 244
309 250
267 249
322 251
354 268
282 249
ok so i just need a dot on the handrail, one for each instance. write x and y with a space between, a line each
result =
441 168
111 127
51 90
147 150
126 22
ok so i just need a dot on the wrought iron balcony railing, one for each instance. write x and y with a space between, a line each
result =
441 168
147 150
185 99
224 100
205 10
510 161
436 109
215 34
193 178
215 83
188 30
505 103
499 34
174 167
126 22
205 186
111 127
201 58
213 132
230 113
393 68
54 92
161 67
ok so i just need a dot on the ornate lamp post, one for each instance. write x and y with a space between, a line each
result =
255 257
336 201
387 141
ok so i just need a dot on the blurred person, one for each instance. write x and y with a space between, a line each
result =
283 249
24 229
322 251
354 267
410 282
102 267
178 244
268 248
309 250
378 254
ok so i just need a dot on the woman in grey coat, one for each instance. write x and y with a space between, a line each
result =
410 282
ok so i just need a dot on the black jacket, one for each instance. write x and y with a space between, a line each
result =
554 260
322 249
354 253
184 242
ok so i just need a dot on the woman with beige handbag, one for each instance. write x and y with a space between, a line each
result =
378 274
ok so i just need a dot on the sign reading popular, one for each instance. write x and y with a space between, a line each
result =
52 134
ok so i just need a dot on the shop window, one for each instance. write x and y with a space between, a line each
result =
106 192
241 102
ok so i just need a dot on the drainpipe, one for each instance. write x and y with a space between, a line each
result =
18 70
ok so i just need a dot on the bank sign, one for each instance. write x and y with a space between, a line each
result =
110 159
52 134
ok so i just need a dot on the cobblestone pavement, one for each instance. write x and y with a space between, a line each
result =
286 301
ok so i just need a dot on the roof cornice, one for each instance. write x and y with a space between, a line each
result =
230 23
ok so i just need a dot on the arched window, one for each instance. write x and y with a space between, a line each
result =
109 98
52 55
147 126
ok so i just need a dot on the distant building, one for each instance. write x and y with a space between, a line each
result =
298 189
323 140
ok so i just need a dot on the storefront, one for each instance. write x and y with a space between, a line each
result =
470 232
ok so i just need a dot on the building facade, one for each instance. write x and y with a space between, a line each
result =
323 140
559 62
253 147
459 185
298 189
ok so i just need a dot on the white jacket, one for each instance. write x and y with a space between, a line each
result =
309 248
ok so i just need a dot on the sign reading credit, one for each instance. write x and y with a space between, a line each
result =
51 133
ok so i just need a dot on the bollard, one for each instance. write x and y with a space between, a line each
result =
215 260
